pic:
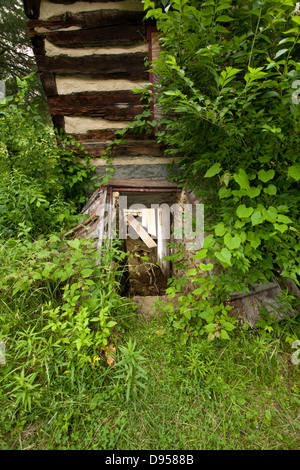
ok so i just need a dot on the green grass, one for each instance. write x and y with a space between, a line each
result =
238 394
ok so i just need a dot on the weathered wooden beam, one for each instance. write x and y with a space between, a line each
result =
100 36
38 45
108 65
141 232
125 183
105 98
105 135
58 122
86 20
115 106
49 83
132 171
163 237
133 148
32 8
69 2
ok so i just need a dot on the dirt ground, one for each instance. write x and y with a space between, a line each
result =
145 276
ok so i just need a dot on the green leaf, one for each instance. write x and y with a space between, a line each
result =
192 272
265 176
284 219
296 19
243 211
271 190
227 75
239 224
210 327
280 53
213 170
281 228
223 6
201 254
271 214
187 314
224 256
257 218
224 19
198 291
221 29
224 334
254 240
232 242
86 272
74 243
220 229
241 401
224 192
208 241
254 192
294 171
242 179
206 267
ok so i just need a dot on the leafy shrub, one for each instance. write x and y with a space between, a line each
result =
42 179
228 73
59 307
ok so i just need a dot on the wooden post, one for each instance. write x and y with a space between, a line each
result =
163 237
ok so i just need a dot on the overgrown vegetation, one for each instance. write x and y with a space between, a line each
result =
59 304
228 71
228 74
242 394
42 184
83 369
16 55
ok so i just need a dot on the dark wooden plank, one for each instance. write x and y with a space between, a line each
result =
127 149
49 83
32 8
105 135
129 66
104 98
58 122
69 2
115 106
109 112
38 45
141 183
98 37
88 20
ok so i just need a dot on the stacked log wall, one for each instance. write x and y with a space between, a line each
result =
90 56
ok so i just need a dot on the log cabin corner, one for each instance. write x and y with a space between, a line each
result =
90 55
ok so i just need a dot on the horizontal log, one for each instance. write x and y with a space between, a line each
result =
137 172
87 20
129 66
115 106
110 134
142 183
69 2
134 148
104 98
100 36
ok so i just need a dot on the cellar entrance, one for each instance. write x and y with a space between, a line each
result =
148 217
